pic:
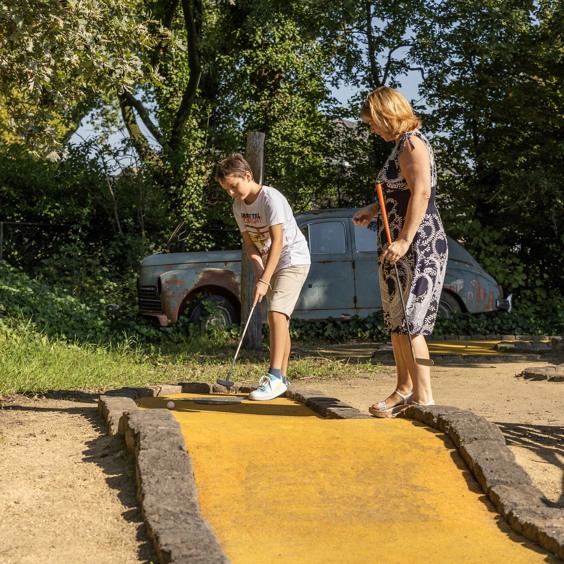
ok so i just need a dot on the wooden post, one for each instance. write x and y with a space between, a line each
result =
253 339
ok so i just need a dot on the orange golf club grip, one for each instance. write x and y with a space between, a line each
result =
383 211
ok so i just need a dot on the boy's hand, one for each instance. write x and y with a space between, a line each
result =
261 288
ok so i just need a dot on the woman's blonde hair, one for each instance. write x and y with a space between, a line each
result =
389 111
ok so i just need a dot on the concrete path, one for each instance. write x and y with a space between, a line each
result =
277 483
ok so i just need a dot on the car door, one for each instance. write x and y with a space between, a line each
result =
329 289
365 256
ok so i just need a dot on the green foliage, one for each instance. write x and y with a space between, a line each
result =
90 305
58 58
50 311
546 318
493 75
332 330
34 189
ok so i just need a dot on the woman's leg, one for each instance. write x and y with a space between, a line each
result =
404 383
421 375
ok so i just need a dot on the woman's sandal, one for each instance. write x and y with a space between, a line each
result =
380 410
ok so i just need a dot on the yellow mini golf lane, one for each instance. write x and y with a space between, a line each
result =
475 348
279 484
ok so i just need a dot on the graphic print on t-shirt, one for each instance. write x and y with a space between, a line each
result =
271 208
259 234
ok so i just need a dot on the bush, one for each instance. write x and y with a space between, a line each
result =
526 319
52 311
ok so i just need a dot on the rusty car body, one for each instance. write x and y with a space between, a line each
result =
342 281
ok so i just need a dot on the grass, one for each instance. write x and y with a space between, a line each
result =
31 362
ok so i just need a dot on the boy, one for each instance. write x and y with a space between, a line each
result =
280 257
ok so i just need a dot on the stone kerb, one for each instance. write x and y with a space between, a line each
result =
552 373
164 474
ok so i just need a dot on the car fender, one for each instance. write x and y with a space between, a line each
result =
180 287
472 288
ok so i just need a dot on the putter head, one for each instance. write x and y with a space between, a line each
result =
424 362
226 383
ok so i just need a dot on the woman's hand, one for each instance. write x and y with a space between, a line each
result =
365 215
395 251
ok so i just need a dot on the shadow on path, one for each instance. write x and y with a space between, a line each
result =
546 441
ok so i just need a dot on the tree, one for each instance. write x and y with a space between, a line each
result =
493 81
59 59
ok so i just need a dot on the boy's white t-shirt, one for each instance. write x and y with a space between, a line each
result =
272 208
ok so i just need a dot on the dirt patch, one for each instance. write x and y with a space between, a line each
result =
67 491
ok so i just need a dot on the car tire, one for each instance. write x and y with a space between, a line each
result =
449 306
213 311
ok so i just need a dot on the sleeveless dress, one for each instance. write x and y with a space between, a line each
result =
422 269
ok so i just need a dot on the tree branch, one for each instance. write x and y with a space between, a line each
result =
420 70
374 74
190 8
169 8
388 64
144 115
138 139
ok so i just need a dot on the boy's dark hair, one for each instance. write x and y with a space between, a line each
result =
234 164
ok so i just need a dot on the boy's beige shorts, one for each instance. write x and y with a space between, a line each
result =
286 287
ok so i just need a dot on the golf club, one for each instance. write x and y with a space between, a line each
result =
420 361
227 382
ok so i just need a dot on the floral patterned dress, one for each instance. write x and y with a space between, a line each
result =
422 269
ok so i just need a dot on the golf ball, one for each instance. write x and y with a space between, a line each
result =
170 405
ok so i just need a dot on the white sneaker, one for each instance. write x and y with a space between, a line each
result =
269 387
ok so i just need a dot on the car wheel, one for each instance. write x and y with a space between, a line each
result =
449 306
213 311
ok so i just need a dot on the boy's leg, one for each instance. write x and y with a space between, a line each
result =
279 340
286 287
287 350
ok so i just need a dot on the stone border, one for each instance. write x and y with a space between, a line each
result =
164 474
168 496
551 373
482 446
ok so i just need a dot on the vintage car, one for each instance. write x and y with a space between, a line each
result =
342 281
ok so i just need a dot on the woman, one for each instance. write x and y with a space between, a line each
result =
418 248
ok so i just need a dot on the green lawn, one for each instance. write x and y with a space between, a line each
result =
33 363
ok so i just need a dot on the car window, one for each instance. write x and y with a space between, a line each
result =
366 237
327 238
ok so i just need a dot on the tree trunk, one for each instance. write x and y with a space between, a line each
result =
253 338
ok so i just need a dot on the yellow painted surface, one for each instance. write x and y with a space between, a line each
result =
279 484
467 347
457 347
